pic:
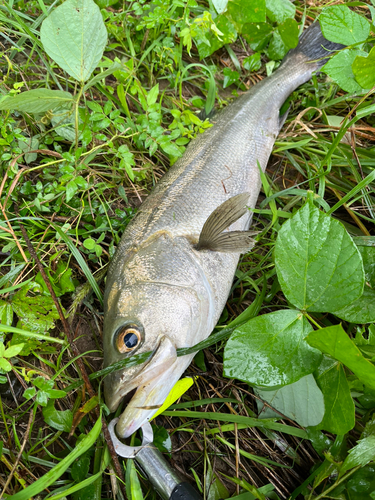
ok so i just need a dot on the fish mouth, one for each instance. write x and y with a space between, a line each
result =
153 382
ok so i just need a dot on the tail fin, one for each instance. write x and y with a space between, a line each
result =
314 46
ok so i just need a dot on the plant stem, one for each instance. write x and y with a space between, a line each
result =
339 481
312 320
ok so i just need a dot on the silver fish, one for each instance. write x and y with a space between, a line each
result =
171 275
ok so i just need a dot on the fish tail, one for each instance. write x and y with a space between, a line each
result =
314 47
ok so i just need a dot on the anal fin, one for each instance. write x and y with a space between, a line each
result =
212 236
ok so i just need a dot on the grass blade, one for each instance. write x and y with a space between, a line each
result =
77 487
51 476
81 261
31 335
361 185
238 419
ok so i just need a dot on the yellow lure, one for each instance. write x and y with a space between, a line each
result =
178 390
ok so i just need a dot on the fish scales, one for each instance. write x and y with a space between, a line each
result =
219 164
158 281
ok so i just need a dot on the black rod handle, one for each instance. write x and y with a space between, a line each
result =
185 491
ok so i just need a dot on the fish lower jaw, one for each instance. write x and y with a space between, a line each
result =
113 397
145 403
130 428
149 397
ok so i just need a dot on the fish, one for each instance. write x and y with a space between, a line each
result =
173 269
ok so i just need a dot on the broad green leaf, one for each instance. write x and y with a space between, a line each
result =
60 420
361 484
80 468
339 68
288 31
6 313
162 439
89 243
318 266
229 35
257 34
253 62
361 310
367 399
363 69
369 429
71 189
103 4
5 365
55 394
247 11
52 475
29 346
38 313
302 401
200 362
74 36
169 147
215 490
277 48
368 258
31 144
42 383
339 417
336 343
13 350
319 440
94 106
365 340
270 351
361 454
153 95
37 101
60 279
230 77
88 492
280 10
341 25
220 6
64 126
42 398
29 393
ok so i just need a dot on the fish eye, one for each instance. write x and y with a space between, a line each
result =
128 338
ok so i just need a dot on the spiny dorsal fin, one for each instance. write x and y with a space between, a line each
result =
212 236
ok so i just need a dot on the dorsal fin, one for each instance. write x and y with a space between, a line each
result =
212 236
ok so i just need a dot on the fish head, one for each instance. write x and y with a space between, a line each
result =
149 316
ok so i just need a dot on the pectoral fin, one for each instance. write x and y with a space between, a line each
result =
212 236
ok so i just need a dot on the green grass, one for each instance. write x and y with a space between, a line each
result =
74 199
